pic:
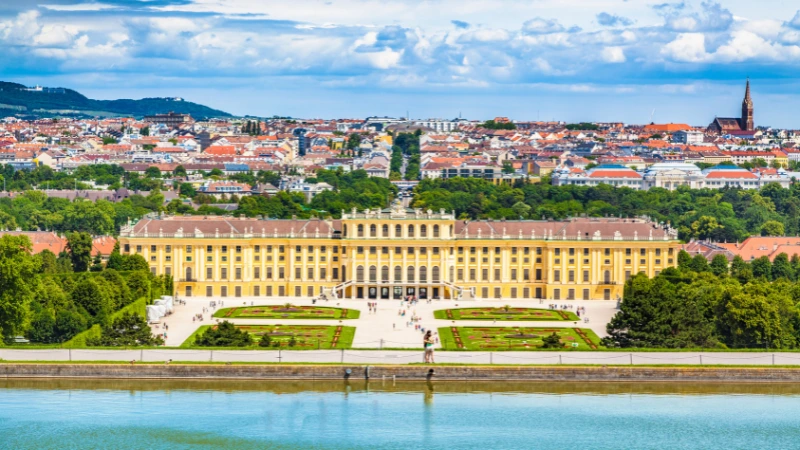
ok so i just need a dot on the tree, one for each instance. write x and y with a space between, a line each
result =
762 267
684 259
551 341
782 268
17 283
152 172
719 265
129 330
772 228
265 341
80 250
699 264
139 284
134 262
115 260
109 140
508 167
88 295
48 262
97 263
179 171
145 131
522 209
68 324
224 335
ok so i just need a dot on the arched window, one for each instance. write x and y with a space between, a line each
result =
188 274
385 273
360 230
411 231
452 273
607 276
373 273
423 231
344 273
451 231
435 274
423 274
373 231
410 274
398 274
385 231
436 231
360 273
344 231
398 231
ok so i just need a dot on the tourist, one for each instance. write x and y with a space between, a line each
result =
428 344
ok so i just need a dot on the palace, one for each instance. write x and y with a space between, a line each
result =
397 252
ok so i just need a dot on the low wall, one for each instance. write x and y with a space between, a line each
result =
414 372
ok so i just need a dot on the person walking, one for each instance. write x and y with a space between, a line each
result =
428 344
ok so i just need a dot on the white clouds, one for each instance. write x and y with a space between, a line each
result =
56 36
681 17
687 47
613 55
486 35
22 29
542 26
745 45
366 41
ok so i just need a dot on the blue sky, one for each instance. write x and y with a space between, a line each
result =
603 60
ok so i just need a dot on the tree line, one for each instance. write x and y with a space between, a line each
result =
728 214
712 305
50 298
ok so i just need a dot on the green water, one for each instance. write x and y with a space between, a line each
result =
40 414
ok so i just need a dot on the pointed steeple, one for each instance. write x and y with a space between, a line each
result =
746 122
747 91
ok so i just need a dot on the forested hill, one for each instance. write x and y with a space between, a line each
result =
16 99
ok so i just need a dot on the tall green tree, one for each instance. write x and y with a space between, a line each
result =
18 283
79 246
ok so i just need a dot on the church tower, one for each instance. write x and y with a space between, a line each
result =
747 122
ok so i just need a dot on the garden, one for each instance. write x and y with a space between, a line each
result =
505 313
517 338
287 311
296 337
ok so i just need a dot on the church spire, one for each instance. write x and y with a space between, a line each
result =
747 91
746 122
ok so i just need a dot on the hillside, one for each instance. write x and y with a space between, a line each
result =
16 99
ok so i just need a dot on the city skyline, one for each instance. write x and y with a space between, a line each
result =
628 61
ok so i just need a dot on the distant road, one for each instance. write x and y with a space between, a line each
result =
367 357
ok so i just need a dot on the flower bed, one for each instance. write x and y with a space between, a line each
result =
515 338
515 314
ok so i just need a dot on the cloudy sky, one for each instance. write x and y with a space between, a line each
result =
612 60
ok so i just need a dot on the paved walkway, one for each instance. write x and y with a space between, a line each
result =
384 328
367 357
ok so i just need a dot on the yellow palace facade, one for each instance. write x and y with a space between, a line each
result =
399 252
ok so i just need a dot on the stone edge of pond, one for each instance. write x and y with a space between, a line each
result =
400 372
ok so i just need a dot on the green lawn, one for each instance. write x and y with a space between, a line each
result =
514 338
308 337
287 312
501 313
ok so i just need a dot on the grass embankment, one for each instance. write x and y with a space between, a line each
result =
287 312
79 340
307 337
516 338
518 314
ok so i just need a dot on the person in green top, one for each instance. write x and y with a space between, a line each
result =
428 344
